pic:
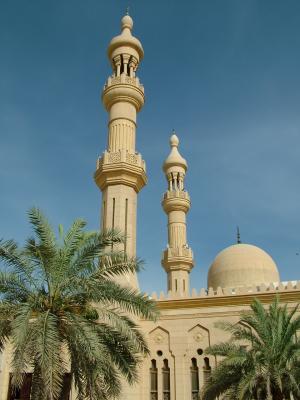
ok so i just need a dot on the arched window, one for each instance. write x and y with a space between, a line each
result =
166 380
195 379
153 381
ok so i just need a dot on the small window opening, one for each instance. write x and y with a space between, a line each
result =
153 381
166 380
195 379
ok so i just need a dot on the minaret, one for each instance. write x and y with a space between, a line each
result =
120 172
177 259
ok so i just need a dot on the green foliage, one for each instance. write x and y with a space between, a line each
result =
262 358
63 311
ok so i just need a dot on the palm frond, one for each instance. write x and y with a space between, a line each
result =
60 307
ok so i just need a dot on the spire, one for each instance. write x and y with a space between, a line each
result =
175 166
238 236
126 22
125 51
174 163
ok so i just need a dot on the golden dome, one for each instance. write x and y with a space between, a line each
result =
242 265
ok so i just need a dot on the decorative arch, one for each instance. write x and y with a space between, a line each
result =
160 336
199 336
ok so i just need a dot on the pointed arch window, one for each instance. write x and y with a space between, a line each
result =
195 379
153 381
166 380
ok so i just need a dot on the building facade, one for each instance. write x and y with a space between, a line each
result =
177 366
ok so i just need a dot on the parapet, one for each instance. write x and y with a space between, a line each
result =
276 287
123 79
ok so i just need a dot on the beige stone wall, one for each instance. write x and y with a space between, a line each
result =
185 328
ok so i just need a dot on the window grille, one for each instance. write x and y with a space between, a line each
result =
195 379
166 380
153 381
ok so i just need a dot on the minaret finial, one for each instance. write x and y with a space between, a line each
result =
238 235
127 10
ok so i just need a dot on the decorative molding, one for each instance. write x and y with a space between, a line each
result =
227 301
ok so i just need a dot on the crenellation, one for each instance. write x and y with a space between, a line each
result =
241 290
154 296
225 292
161 295
272 287
289 286
219 291
262 287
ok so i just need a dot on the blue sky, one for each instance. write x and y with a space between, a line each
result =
224 74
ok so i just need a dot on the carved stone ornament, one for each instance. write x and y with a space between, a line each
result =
158 338
198 336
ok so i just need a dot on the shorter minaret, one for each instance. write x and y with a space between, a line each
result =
177 259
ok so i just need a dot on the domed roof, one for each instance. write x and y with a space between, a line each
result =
125 40
242 265
174 159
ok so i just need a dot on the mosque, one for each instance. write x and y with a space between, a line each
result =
177 367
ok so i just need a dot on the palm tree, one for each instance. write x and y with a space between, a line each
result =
62 311
262 358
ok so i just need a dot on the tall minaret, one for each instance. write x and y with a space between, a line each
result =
177 259
121 171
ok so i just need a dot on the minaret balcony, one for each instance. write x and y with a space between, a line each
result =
174 258
121 167
176 200
171 194
121 156
123 88
123 79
